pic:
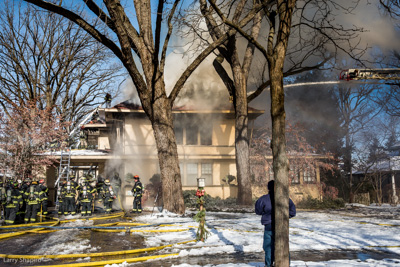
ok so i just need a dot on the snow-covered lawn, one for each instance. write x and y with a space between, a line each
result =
321 231
365 231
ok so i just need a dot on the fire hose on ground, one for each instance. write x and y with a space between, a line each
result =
97 254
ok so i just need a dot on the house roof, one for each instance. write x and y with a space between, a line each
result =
80 152
127 106
384 165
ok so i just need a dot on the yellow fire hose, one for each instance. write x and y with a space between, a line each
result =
139 231
103 263
44 230
7 235
107 224
58 221
116 215
4 227
97 254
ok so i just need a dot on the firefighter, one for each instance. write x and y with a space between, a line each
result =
22 207
25 188
108 195
3 196
44 193
12 203
107 100
86 195
10 183
70 194
26 183
32 197
61 197
72 179
137 195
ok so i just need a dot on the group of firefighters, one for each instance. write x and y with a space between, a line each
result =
25 200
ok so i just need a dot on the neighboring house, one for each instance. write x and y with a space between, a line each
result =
383 174
120 139
304 176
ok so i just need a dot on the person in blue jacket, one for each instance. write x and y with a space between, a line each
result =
265 206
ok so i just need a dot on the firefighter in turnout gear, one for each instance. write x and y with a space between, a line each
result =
22 203
25 188
32 198
70 194
137 195
86 195
13 198
108 195
3 197
61 197
44 193
107 100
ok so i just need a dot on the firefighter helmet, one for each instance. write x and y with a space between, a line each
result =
136 177
41 181
107 182
34 182
19 181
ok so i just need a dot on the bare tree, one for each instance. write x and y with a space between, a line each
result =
237 87
391 7
43 56
313 33
358 108
239 56
143 45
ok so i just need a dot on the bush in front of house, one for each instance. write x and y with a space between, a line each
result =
210 203
326 203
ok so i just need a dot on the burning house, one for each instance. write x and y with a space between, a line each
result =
120 140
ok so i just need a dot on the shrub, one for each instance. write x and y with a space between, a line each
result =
327 203
190 199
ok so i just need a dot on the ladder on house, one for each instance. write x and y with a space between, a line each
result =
63 171
65 160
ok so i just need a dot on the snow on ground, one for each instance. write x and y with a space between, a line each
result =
368 229
71 242
321 231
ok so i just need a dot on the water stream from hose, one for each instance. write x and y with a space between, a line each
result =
311 83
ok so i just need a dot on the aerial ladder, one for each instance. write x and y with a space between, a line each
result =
370 74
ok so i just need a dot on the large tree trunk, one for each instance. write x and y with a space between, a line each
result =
242 142
168 156
276 59
158 108
280 167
